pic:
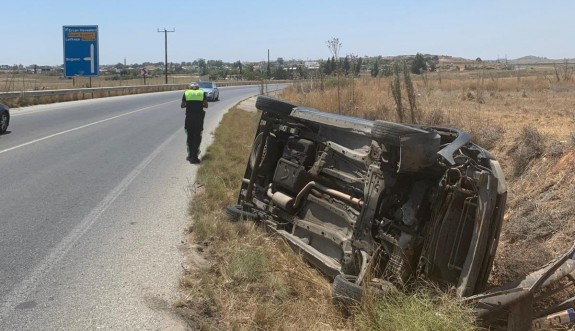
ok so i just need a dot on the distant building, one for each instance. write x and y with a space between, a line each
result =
311 64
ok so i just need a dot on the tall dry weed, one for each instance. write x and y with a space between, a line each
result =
395 87
487 135
530 146
410 91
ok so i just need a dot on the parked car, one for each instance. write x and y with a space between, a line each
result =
374 201
212 91
4 118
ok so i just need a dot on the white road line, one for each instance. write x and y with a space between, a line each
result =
78 128
28 285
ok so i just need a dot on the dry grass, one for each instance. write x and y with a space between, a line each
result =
529 147
35 82
30 82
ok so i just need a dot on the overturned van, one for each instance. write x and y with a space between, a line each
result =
383 199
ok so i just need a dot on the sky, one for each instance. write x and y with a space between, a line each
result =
231 30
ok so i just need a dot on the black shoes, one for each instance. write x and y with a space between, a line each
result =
193 160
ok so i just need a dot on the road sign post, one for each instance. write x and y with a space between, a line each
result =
81 50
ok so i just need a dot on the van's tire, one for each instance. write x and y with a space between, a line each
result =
270 153
390 132
345 289
236 213
275 106
4 121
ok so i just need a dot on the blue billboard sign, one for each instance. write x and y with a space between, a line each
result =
81 50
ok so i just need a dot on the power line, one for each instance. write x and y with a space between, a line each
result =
166 50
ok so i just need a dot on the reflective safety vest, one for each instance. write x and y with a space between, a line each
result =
194 95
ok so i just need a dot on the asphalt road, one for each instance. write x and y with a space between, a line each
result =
93 198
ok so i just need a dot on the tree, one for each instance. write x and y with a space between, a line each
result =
358 66
250 73
419 64
375 68
346 65
203 67
327 67
215 63
238 65
301 71
333 65
280 73
334 45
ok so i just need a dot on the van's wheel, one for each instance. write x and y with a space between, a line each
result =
274 106
390 132
236 213
4 120
345 289
270 153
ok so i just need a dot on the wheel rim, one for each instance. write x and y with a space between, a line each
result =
3 122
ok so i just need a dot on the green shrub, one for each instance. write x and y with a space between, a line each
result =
247 265
424 309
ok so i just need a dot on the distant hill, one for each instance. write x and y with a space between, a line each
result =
536 59
453 59
530 59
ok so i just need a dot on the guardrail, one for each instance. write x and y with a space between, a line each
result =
24 98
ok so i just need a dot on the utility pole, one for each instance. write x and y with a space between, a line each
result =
166 50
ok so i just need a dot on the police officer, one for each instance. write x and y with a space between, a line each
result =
194 100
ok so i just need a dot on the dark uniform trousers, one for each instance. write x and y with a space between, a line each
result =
194 126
